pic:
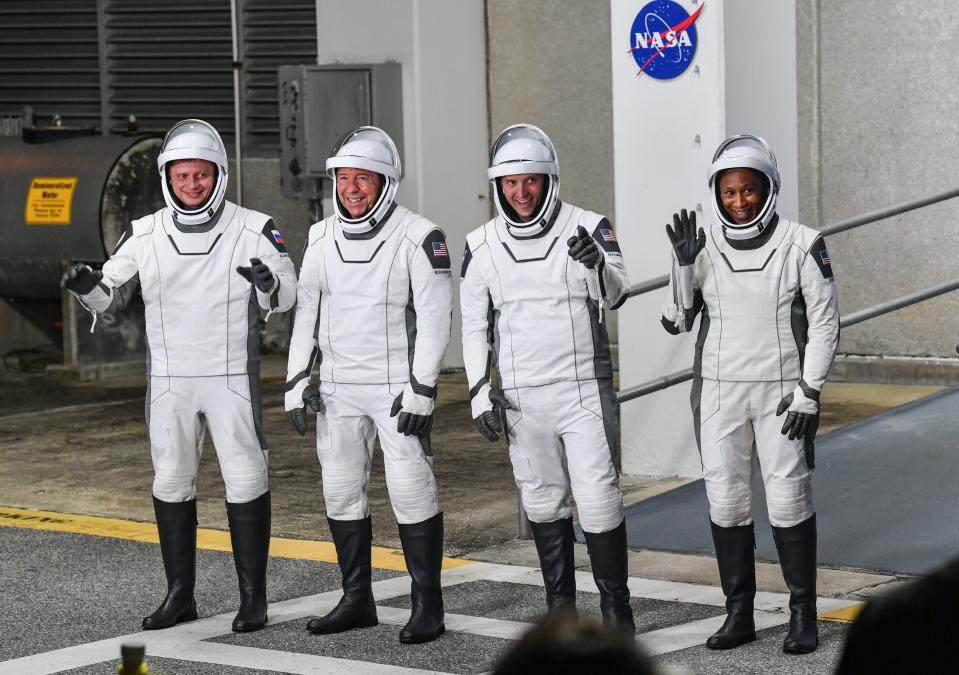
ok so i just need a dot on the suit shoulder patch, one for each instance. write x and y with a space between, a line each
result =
434 245
606 237
274 236
821 256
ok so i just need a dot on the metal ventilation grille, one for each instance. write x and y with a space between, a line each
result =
275 33
49 60
162 61
167 60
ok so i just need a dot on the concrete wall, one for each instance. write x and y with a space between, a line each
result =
549 65
877 109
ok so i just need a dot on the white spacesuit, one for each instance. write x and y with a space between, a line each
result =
194 266
375 296
536 288
767 337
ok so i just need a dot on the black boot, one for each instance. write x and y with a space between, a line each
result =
356 609
250 535
607 554
176 523
797 557
554 545
737 573
423 550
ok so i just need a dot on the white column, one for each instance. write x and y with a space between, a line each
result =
741 79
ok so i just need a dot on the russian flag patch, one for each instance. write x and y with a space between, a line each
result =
277 237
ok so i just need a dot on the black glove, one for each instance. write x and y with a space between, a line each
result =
80 278
311 396
797 423
583 249
259 275
488 422
410 424
682 235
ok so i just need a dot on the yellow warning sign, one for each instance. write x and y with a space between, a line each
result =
49 201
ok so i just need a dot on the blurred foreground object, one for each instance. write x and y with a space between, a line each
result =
560 644
132 655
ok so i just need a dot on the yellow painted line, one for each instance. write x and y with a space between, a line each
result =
843 615
209 540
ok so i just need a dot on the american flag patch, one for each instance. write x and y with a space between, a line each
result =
608 235
439 249
277 237
824 256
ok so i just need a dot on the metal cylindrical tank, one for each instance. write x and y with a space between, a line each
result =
69 200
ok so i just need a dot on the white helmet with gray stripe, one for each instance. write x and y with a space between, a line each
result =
745 151
372 149
194 139
522 149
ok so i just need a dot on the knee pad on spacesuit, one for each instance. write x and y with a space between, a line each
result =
789 500
171 485
730 505
344 491
600 509
244 484
545 504
413 492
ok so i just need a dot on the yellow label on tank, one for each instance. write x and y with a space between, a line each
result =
49 200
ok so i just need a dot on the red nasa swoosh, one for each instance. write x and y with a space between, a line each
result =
676 30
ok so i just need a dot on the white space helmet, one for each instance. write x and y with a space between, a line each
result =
745 151
194 139
519 149
372 149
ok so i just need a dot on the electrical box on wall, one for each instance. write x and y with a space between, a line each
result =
318 104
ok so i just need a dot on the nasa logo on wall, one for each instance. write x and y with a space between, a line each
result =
663 39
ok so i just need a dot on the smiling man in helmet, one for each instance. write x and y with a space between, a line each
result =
375 296
205 268
535 282
767 338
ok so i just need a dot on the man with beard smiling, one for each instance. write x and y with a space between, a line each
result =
540 307
374 306
767 338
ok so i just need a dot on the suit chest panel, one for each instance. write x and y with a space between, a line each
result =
363 273
537 275
185 270
750 283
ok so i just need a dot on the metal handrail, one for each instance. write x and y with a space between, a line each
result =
841 226
667 381
648 285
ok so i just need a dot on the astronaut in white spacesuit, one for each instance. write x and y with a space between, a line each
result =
375 296
767 338
536 282
205 267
